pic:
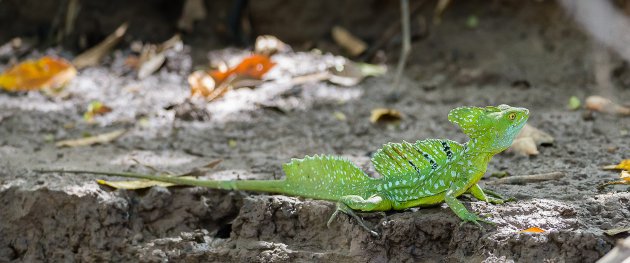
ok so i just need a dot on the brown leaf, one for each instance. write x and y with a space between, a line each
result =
601 104
94 55
385 115
527 141
352 44
46 73
524 146
101 138
268 45
137 184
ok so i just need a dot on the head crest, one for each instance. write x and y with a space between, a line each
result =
467 118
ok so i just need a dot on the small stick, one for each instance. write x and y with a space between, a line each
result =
530 178
406 42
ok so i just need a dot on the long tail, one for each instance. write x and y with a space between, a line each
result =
270 186
319 177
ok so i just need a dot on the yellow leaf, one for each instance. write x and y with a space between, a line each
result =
137 184
623 165
533 230
101 138
382 115
45 73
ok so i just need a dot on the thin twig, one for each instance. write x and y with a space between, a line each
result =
530 178
406 42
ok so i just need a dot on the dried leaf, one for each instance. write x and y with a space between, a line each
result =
617 230
385 115
351 74
153 56
101 138
533 230
253 67
215 84
133 185
94 55
524 146
539 137
601 104
527 141
353 45
268 45
46 73
623 165
95 108
201 84
574 103
152 64
137 184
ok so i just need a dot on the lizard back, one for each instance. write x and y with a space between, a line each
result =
412 171
326 177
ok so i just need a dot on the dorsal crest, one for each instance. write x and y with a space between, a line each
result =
414 159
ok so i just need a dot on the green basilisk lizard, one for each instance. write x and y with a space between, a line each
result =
423 173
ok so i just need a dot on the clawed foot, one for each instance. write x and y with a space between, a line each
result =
495 198
347 210
475 219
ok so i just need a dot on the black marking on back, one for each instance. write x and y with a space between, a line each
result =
414 167
447 149
427 157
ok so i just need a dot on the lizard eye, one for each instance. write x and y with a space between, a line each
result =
512 116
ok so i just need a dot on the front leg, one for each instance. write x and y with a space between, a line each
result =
347 204
460 210
478 193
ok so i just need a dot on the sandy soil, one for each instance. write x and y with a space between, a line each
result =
61 217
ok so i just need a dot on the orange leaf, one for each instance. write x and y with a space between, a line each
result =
45 73
254 66
533 230
623 165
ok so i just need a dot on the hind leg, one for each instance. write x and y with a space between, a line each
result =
349 203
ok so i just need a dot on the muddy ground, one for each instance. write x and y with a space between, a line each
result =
530 55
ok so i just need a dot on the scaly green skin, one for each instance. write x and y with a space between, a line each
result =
424 173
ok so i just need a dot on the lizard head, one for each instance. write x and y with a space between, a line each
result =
494 128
